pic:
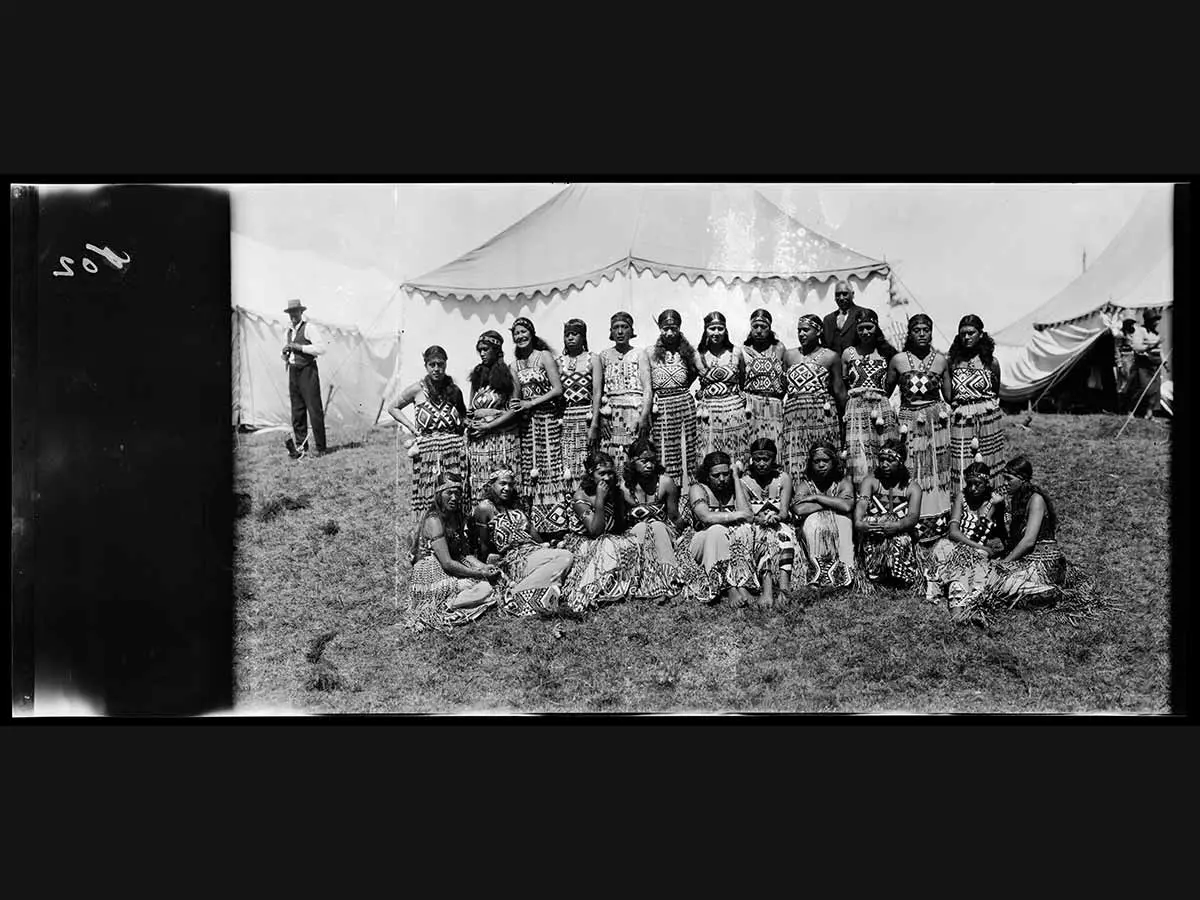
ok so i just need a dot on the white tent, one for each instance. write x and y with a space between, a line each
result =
1134 273
357 310
594 249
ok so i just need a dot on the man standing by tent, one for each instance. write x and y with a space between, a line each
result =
840 326
304 384
1146 360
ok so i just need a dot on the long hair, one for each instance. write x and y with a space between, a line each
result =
535 343
764 443
837 471
636 449
497 376
687 355
772 338
588 485
882 345
453 524
903 475
707 346
985 348
578 326
918 319
1019 501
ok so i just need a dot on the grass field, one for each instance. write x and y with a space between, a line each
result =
317 612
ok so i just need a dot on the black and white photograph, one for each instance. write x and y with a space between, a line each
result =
609 448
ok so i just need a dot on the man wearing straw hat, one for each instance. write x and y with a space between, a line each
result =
304 384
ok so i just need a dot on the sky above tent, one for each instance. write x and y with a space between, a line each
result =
996 250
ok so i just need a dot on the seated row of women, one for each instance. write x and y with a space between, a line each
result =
736 535
542 416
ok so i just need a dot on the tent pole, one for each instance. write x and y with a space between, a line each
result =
1129 418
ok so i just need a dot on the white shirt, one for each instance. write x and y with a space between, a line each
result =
316 345
1142 340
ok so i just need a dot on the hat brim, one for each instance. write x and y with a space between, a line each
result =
296 308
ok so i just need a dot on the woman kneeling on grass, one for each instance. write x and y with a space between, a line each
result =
502 534
823 504
961 560
607 558
885 516
723 542
448 586
1033 566
769 492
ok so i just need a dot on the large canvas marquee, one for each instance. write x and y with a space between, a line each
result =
594 249
1132 274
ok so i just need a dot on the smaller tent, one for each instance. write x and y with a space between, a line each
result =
1042 349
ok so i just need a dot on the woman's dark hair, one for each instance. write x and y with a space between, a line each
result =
636 449
1129 326
716 458
985 348
687 355
578 326
918 319
837 471
1019 499
588 485
497 376
763 443
882 345
772 338
817 323
453 524
898 446
536 343
707 346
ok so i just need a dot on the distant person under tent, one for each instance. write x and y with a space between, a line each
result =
300 353
1147 357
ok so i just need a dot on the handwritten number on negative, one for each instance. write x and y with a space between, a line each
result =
115 260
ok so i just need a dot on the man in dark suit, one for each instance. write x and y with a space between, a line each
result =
300 353
840 326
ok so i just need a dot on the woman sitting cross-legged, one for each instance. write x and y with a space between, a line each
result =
503 536
723 542
449 586
885 517
769 492
1033 568
607 557
653 499
823 503
961 560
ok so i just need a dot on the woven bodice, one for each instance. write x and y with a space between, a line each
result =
867 373
763 374
721 378
576 375
808 377
919 386
510 528
437 417
621 375
533 379
669 376
970 384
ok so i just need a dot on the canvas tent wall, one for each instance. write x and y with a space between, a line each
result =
594 249
358 311
1134 272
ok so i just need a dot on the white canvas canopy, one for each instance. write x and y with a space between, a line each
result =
356 309
594 249
1133 273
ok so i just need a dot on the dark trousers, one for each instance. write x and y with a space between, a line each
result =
1145 371
304 386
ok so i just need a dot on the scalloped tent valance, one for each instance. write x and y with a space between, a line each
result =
589 233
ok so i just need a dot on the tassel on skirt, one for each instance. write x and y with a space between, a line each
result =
542 472
724 427
494 450
440 451
766 419
431 591
864 437
807 419
981 422
575 423
928 442
674 431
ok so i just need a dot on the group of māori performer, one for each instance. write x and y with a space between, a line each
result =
708 471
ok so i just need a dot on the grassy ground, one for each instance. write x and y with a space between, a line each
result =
317 610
